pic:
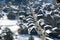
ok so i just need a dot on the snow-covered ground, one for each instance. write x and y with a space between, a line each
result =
8 22
26 37
12 25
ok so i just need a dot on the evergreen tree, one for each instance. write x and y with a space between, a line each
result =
7 34
11 16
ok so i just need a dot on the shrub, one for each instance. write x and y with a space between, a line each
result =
11 16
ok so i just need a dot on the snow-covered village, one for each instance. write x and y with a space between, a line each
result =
29 19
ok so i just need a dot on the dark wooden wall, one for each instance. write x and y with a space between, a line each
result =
58 1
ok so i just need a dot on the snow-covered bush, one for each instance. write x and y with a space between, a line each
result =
7 34
11 16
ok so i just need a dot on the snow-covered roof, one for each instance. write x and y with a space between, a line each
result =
42 23
14 7
47 26
22 16
31 24
40 15
49 38
54 28
29 19
30 29
0 31
48 31
14 11
41 20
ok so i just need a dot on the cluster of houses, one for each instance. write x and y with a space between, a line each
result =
25 21
48 17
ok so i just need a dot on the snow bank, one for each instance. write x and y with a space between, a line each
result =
14 28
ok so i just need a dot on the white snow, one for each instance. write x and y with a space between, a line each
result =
57 15
41 20
48 31
31 24
47 26
36 38
25 25
26 37
14 11
5 21
49 38
11 24
28 7
54 28
40 15
0 31
40 0
28 19
2 12
42 23
14 7
14 28
22 16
